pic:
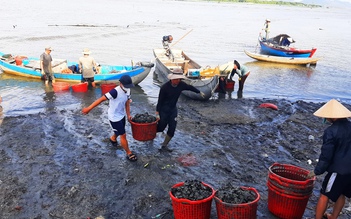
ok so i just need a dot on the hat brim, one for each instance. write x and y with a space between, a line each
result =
333 110
128 85
175 76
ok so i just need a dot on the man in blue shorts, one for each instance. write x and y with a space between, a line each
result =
335 158
119 104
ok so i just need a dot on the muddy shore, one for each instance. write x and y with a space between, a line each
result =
60 164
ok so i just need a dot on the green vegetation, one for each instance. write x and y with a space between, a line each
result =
271 2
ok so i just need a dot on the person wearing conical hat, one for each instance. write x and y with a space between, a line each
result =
87 66
335 159
166 108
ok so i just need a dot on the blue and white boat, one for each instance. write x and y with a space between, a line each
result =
30 68
280 46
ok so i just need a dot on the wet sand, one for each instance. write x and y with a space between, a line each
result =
60 164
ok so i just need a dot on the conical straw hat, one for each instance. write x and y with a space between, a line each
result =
333 109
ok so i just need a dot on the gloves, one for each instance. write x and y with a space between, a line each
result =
202 94
310 174
157 116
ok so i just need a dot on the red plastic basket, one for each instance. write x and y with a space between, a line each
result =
290 190
107 87
230 85
19 59
187 209
286 206
81 87
60 86
237 211
290 176
144 131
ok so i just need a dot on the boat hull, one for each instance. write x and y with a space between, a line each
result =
282 60
164 66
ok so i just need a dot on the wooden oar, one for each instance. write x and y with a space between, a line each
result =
182 37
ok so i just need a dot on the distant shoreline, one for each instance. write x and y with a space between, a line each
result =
299 4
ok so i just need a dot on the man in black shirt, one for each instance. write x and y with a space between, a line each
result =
166 108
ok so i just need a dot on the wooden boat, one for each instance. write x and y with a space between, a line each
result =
177 59
280 46
30 68
283 60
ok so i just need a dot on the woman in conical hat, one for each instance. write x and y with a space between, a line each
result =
333 110
335 158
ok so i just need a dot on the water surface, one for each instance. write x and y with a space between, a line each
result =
211 33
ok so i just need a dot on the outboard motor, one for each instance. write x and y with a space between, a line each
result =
166 40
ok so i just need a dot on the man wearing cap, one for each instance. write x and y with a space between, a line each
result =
119 105
266 28
243 72
166 108
335 158
87 67
46 67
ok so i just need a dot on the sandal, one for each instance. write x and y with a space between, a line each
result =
132 157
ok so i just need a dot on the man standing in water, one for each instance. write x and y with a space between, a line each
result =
335 158
166 108
46 66
243 72
87 66
266 28
119 104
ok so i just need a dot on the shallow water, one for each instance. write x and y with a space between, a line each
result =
209 32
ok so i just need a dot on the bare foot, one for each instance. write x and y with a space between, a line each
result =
327 216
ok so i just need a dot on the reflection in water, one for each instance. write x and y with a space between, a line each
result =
86 98
49 99
240 94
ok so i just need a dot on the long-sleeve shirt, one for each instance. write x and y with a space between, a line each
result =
335 154
168 95
240 72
